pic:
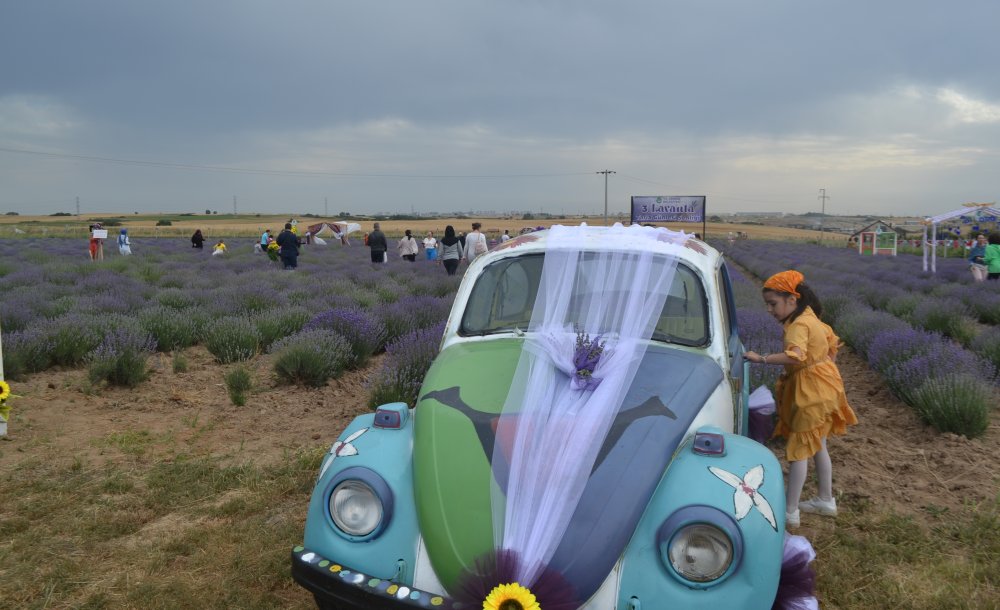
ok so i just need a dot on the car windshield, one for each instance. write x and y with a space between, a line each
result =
504 296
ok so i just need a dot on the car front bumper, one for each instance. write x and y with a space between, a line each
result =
339 585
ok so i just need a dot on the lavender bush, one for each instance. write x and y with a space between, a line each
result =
955 403
406 364
311 357
121 357
231 339
26 351
73 337
365 333
987 345
276 324
238 382
171 328
947 318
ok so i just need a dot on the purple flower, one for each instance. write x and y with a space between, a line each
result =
586 356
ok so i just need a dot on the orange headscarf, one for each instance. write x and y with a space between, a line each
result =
786 281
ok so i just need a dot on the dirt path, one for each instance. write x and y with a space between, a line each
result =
890 460
179 414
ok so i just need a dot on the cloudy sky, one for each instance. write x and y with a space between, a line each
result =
892 106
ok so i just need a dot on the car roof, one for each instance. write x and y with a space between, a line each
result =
694 252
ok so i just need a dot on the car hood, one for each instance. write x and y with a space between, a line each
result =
460 401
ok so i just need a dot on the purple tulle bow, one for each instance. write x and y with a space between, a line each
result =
797 587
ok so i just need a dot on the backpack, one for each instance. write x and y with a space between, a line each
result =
481 245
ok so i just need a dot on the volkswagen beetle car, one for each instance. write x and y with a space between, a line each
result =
678 507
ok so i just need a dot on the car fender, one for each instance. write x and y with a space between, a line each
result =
706 481
379 443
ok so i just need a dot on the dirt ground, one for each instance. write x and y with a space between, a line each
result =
890 461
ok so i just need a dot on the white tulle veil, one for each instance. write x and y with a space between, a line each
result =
553 421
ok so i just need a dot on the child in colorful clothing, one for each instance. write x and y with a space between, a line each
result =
992 257
219 248
810 393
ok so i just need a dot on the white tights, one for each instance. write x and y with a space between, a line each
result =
797 478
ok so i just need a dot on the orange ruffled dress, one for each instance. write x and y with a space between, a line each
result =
810 395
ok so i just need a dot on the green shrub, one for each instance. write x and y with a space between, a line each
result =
73 338
955 403
164 223
238 383
121 357
175 298
180 362
987 345
311 357
231 339
277 324
25 351
171 328
947 318
406 363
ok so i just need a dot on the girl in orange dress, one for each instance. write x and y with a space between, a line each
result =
810 393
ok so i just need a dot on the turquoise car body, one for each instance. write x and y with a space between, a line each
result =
677 457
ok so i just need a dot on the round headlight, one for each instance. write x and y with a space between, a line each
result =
701 552
355 508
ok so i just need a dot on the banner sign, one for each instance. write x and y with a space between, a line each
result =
673 208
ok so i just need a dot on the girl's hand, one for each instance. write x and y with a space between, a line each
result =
753 356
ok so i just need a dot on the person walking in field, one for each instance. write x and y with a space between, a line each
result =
288 245
430 246
992 257
451 250
977 265
810 393
198 240
124 243
378 244
475 243
408 247
219 249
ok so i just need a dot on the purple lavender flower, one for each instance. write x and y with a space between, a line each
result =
365 333
407 361
586 356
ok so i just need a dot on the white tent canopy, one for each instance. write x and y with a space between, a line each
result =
340 230
977 210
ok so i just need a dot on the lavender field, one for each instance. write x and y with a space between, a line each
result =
58 309
933 338
130 479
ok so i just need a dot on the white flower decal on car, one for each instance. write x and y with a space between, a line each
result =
344 447
747 494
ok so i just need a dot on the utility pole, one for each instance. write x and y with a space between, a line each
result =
78 208
822 197
234 205
606 172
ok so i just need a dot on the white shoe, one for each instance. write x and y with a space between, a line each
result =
827 508
792 519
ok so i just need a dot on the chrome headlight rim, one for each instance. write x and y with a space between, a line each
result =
379 488
694 516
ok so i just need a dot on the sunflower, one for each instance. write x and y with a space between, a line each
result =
510 597
4 390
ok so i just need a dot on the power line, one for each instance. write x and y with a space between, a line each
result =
275 172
